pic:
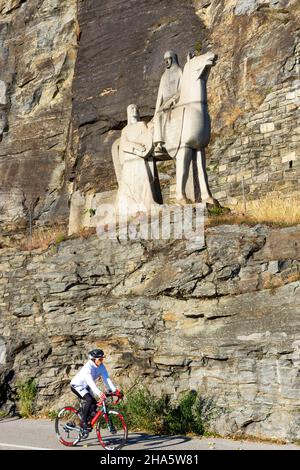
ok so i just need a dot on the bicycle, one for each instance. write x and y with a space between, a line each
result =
111 428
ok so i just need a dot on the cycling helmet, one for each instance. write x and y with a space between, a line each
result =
96 353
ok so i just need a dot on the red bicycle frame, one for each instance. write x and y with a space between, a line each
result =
104 411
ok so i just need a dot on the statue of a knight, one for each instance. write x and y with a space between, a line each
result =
168 95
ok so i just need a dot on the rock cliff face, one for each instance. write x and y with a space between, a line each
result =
70 68
37 56
223 320
258 53
120 61
255 97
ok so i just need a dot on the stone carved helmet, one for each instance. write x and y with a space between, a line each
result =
172 55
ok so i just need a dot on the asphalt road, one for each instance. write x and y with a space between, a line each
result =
38 434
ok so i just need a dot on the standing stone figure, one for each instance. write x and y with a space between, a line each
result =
168 95
139 187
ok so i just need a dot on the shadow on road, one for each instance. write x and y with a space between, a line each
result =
7 419
145 440
151 441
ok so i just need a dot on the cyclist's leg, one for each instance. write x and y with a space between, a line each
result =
89 401
83 394
93 407
89 406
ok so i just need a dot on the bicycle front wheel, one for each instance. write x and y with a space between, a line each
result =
112 430
67 426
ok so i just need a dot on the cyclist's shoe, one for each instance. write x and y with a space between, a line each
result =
70 425
84 434
85 430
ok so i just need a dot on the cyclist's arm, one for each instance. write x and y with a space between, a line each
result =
107 382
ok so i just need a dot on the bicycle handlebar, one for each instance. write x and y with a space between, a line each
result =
111 394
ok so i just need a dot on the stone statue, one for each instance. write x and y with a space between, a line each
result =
182 125
168 95
136 170
187 131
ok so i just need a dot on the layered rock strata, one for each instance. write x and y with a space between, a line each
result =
223 320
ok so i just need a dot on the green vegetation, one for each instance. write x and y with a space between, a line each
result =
26 393
60 238
51 414
217 210
198 48
191 414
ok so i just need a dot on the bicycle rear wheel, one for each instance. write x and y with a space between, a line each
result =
112 435
67 426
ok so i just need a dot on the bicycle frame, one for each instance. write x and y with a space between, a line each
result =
103 411
99 414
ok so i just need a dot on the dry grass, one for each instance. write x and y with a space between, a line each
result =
226 219
274 210
43 237
85 232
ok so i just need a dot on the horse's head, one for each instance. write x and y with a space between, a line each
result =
200 64
195 73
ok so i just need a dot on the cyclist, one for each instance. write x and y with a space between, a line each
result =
84 386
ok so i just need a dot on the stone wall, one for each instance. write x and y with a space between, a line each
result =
223 320
265 157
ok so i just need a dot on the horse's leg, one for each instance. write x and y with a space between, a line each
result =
206 196
183 163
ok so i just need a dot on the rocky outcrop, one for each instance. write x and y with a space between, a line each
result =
38 51
223 320
70 68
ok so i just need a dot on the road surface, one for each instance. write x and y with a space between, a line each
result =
38 434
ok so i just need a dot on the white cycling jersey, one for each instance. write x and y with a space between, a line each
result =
84 380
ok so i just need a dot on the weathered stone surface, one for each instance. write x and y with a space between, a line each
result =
253 75
282 244
37 57
167 318
60 111
131 41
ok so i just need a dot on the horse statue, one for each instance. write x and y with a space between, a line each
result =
186 132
